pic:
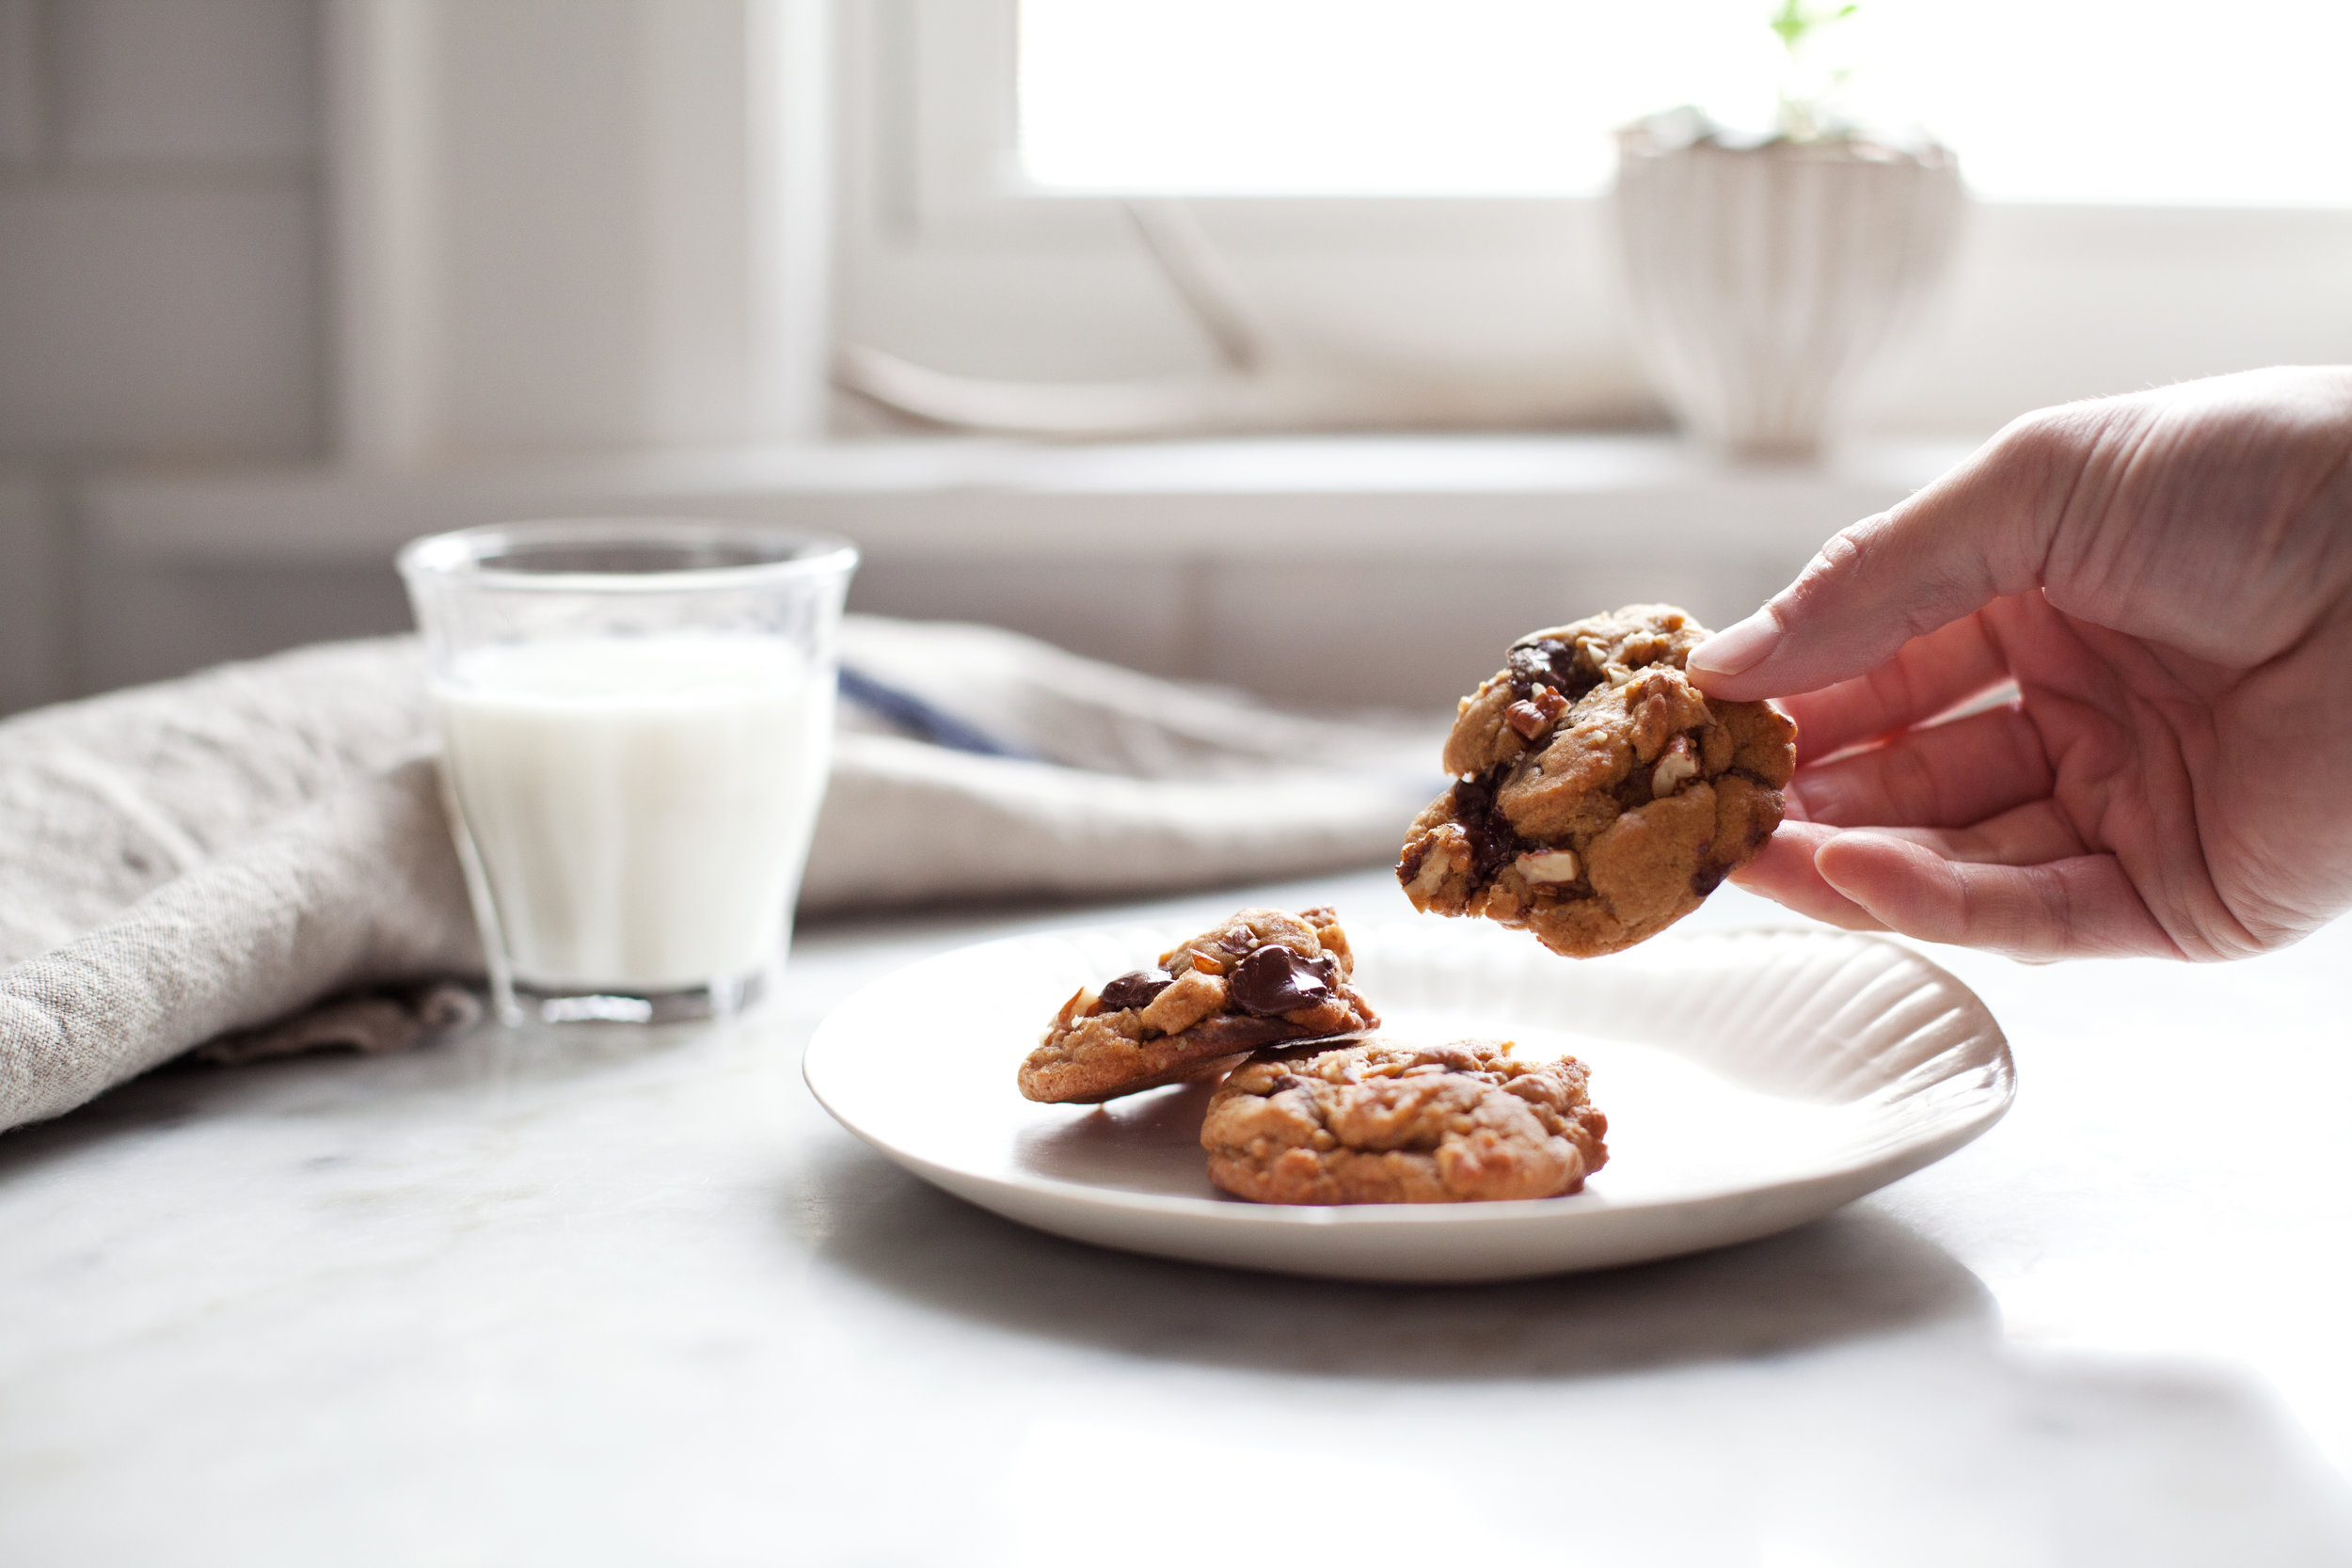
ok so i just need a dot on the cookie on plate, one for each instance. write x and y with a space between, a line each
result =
1261 977
1600 796
1388 1123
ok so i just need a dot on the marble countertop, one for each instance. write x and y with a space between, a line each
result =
628 1296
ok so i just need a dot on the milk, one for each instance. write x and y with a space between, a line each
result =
640 806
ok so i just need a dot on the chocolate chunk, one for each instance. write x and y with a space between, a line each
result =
1494 842
1531 665
1549 661
1134 989
1276 980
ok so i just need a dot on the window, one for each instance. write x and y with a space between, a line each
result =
2111 100
1376 98
2164 189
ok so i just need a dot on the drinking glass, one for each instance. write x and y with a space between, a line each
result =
637 717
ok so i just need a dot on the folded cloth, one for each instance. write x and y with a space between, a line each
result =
257 857
1137 784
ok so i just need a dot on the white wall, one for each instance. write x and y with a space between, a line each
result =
170 264
177 290
563 224
238 233
159 279
170 267
160 284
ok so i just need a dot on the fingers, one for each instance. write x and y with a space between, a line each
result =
1943 776
1785 874
1931 676
2030 835
2081 906
1976 534
2019 883
1786 871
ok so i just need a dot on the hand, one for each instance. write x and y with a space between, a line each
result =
2143 605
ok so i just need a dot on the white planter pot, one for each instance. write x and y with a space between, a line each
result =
1764 278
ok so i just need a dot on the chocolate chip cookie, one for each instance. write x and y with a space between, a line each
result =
1383 1123
1261 977
1600 796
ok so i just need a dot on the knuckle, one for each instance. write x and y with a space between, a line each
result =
2049 438
1879 566
1853 550
1844 557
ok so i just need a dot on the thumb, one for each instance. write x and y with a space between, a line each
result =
1979 532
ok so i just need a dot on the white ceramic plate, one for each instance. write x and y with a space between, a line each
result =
1752 1080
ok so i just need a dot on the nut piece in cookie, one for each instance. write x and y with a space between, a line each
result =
1383 1123
1260 978
1600 796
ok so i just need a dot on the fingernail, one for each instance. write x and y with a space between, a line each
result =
1737 648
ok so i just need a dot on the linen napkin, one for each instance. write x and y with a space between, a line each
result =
254 859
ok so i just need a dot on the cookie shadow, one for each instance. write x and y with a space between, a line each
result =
1147 1143
1857 1274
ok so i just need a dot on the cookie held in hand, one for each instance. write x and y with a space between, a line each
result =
1261 977
1383 1123
1600 796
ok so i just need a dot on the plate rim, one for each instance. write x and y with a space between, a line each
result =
1945 1139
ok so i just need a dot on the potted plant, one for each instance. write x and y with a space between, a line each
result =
1766 270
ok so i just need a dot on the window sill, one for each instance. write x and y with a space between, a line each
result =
1365 571
1556 497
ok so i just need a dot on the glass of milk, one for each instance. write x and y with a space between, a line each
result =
637 717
